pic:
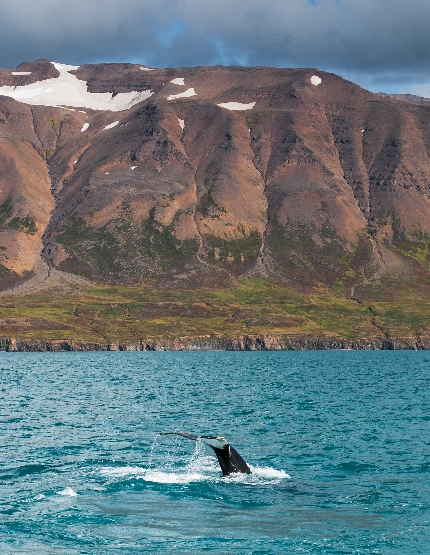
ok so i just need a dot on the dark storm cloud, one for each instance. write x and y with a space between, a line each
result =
373 40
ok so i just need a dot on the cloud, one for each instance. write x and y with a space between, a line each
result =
384 41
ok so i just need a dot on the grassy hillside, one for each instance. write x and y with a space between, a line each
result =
129 314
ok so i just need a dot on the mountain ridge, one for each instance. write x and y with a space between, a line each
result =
211 174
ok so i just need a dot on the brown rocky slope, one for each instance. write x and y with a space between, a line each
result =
222 172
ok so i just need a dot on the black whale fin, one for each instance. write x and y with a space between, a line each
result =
229 459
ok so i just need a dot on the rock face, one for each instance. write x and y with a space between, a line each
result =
237 343
197 176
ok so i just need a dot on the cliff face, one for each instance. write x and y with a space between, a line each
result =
195 176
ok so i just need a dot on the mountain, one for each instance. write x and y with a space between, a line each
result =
190 177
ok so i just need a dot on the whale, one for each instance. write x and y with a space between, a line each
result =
228 458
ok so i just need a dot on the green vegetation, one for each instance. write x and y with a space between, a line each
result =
129 250
56 126
91 250
331 262
208 207
49 152
234 254
131 314
3 271
413 243
25 224
6 210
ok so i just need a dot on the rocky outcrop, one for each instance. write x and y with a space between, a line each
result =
217 343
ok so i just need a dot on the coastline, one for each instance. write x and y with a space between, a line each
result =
265 342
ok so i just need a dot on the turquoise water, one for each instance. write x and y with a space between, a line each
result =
338 442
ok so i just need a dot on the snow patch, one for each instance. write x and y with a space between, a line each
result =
181 123
85 127
133 167
185 94
178 81
146 68
68 492
21 72
315 80
237 105
68 90
75 162
110 125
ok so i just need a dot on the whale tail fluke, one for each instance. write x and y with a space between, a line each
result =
229 459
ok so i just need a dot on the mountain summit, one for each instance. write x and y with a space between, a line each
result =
196 176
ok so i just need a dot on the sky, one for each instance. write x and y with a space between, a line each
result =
382 45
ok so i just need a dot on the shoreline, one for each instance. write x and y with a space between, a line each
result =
217 343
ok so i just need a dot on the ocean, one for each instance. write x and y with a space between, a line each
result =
338 443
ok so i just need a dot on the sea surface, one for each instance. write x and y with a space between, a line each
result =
338 443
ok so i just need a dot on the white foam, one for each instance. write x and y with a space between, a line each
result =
237 106
111 125
85 127
67 492
181 123
172 477
68 90
123 471
200 469
178 81
185 94
267 472
21 72
315 80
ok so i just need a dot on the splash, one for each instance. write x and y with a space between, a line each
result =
267 472
123 471
151 451
67 492
200 468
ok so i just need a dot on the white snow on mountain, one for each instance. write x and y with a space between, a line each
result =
178 81
111 125
21 72
68 90
185 94
237 105
315 80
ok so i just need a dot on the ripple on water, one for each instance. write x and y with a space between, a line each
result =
82 469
